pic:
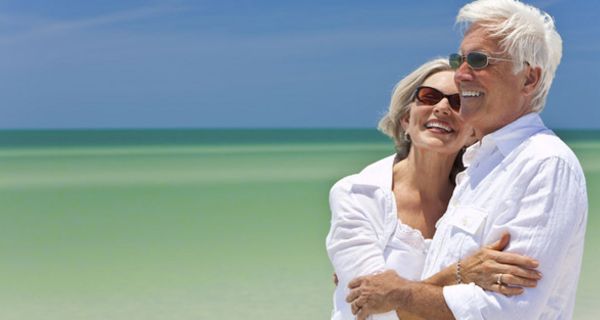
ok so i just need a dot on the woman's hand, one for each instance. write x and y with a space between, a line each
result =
503 272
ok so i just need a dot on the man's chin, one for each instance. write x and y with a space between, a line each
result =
467 113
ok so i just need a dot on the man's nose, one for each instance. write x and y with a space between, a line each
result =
463 73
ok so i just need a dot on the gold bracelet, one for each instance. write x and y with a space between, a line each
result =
458 275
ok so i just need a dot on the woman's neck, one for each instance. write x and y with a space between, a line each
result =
425 171
422 188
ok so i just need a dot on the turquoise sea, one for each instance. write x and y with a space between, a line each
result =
191 224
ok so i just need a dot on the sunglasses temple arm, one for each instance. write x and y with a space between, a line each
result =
499 59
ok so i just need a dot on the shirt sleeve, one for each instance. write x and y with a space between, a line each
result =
356 240
547 223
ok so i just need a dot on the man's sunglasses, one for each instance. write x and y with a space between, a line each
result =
476 60
431 96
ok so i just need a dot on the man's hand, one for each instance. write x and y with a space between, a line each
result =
375 294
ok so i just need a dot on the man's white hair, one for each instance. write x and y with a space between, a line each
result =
526 33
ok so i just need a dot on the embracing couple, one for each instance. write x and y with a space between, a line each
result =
417 236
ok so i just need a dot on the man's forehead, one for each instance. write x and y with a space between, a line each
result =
477 38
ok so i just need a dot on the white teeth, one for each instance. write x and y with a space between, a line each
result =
471 93
438 125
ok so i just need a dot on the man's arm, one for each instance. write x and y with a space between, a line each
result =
484 266
388 291
425 300
547 221
548 225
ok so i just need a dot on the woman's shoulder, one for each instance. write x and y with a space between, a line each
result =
364 195
376 175
381 165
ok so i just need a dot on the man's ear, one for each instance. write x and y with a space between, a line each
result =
533 77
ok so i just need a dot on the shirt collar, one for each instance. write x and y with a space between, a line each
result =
378 174
512 135
507 138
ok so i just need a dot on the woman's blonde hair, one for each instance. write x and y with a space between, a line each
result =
402 98
400 104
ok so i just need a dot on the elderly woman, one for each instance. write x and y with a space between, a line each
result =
384 217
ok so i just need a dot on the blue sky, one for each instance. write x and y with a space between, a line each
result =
209 64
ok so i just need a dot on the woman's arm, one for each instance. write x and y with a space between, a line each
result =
492 270
360 223
357 225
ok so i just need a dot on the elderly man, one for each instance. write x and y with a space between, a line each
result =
520 178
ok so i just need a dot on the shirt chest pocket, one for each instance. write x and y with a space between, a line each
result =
466 226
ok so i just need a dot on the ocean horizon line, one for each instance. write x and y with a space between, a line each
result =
287 128
17 138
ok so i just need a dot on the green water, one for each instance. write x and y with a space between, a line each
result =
204 224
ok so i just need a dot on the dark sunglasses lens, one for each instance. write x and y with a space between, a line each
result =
429 96
454 101
455 60
477 60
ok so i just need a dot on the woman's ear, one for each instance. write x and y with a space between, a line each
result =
404 120
532 79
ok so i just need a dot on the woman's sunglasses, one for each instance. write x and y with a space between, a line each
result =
431 96
476 60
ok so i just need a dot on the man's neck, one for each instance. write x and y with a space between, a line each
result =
483 130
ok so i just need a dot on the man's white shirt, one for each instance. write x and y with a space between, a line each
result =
522 179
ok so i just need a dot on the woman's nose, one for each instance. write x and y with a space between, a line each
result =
442 107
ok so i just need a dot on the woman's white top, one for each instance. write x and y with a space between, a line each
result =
366 236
